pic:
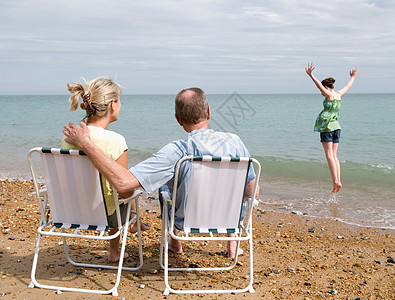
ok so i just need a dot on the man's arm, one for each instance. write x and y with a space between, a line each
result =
120 178
249 188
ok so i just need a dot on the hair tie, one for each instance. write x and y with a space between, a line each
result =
87 103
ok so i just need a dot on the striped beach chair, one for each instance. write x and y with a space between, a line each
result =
72 206
213 209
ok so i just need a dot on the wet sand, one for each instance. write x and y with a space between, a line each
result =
295 257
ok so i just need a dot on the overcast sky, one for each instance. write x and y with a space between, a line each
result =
222 46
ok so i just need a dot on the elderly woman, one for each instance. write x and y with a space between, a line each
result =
101 101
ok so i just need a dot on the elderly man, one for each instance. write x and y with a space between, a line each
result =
192 112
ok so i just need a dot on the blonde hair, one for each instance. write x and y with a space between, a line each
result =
96 94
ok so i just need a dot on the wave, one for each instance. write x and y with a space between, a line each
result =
313 170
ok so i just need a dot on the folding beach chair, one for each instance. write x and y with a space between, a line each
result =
77 209
213 206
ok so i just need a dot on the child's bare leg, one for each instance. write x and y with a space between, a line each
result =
333 164
115 251
334 150
232 248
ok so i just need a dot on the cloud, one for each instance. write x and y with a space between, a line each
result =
159 46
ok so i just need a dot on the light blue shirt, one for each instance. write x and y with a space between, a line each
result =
159 169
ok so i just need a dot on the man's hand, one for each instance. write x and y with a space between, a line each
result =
78 136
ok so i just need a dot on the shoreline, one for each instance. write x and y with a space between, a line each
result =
286 198
295 257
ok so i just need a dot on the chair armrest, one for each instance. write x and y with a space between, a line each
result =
252 204
41 192
166 196
135 195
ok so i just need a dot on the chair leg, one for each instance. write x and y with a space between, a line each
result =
139 234
119 268
251 289
162 243
33 282
122 254
165 229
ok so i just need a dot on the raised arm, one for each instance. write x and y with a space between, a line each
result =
323 90
121 178
353 74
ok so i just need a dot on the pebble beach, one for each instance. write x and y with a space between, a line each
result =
295 257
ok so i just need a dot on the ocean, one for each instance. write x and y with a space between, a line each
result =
277 129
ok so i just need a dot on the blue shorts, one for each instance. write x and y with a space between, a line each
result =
330 137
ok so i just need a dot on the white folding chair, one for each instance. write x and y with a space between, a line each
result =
77 209
213 205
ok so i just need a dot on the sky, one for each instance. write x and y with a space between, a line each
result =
221 46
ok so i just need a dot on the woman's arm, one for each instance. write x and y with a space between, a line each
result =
353 74
323 90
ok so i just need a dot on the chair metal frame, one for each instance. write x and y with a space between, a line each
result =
242 233
54 228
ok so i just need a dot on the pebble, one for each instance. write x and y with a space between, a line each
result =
307 283
141 286
58 292
295 212
312 230
390 260
333 292
11 238
291 269
153 271
340 237
150 211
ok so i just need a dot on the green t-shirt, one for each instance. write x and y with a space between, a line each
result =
328 119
